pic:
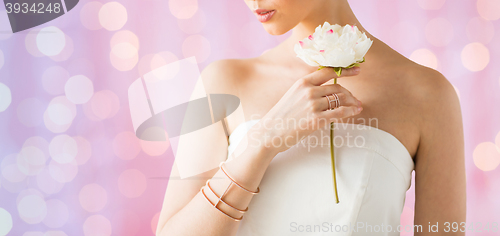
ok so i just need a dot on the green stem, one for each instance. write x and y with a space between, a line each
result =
332 151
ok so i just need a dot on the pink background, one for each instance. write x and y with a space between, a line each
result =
81 171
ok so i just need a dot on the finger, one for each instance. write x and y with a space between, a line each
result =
341 112
345 100
328 89
320 77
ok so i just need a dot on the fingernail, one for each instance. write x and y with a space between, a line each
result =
360 108
356 69
359 103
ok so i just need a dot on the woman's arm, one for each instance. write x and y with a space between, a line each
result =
440 192
198 217
185 211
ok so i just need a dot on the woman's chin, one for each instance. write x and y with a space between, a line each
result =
273 30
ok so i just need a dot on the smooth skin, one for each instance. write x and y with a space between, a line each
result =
415 104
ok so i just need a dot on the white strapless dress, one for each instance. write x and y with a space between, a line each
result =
373 172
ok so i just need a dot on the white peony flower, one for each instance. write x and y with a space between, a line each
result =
334 46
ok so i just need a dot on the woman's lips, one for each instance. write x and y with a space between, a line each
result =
264 15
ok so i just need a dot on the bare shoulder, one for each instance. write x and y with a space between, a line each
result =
436 109
430 83
223 76
439 161
430 91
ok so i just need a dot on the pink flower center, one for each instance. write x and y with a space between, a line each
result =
310 37
321 50
330 31
301 43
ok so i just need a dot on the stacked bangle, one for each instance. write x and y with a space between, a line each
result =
221 165
215 206
220 198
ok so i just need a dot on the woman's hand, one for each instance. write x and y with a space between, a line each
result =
304 109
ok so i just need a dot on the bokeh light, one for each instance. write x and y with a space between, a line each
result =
154 222
97 225
84 150
57 214
480 30
93 197
431 4
9 169
53 127
31 160
47 183
155 148
63 173
27 192
125 36
488 9
32 208
124 50
5 97
31 44
50 41
126 222
59 114
183 9
159 60
126 145
63 149
425 57
53 80
475 57
5 222
194 24
14 187
79 89
66 52
104 104
144 65
113 16
39 142
486 156
123 64
198 46
132 183
439 32
30 112
89 15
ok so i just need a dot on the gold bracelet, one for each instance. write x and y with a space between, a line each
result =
215 206
233 181
220 198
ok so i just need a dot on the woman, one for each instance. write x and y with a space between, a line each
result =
419 127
